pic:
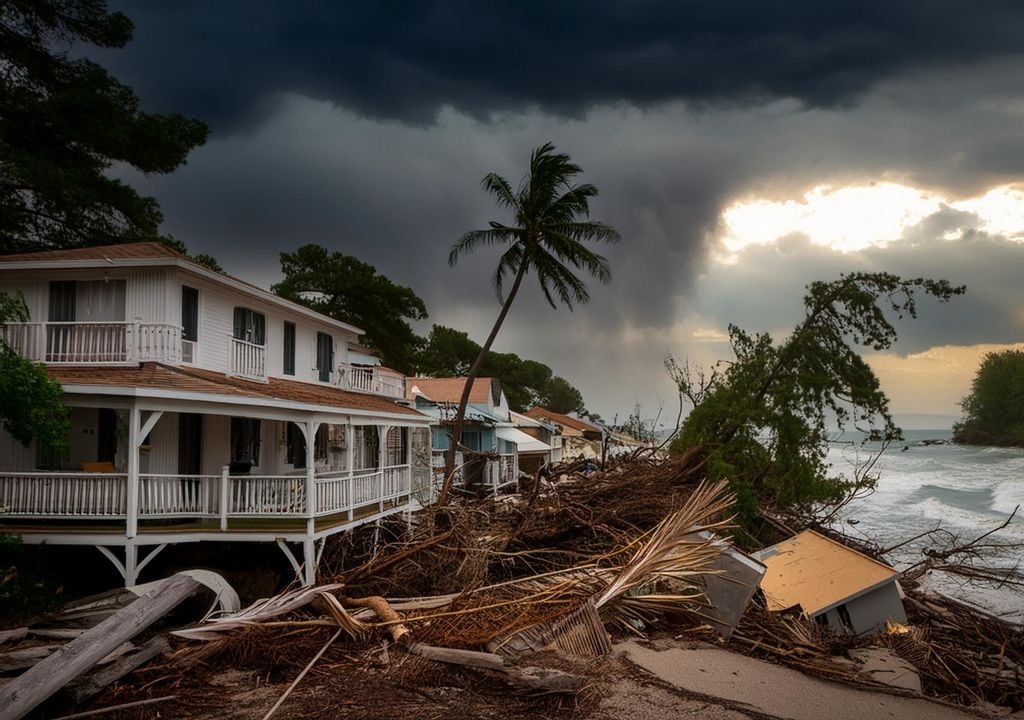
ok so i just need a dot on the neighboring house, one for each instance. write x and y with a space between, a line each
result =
541 446
489 440
580 439
831 583
203 408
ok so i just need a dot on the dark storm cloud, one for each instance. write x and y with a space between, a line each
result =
220 61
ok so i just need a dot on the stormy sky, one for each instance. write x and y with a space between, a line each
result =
742 149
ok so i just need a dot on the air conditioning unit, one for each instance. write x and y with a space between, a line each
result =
188 351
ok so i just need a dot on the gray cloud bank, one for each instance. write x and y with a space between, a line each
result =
407 60
383 124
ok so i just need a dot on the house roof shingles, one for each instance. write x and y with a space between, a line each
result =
126 251
563 420
163 377
450 389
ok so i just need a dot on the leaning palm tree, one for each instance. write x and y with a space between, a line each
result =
549 233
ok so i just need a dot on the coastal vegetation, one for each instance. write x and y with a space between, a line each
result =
994 409
64 122
763 417
31 404
549 236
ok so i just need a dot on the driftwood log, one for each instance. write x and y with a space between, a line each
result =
21 695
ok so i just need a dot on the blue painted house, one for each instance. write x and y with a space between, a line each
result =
489 453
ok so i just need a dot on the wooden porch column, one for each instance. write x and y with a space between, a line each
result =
408 460
132 488
310 432
309 429
350 441
382 451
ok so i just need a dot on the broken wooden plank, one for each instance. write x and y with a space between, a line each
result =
18 698
7 636
537 680
468 658
56 633
88 685
25 657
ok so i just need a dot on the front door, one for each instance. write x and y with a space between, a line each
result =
190 443
106 435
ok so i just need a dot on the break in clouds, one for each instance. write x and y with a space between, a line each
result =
374 144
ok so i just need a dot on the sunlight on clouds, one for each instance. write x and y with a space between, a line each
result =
933 381
1001 211
851 218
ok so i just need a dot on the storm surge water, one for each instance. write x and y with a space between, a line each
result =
922 485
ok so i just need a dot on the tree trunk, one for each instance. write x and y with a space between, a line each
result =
460 415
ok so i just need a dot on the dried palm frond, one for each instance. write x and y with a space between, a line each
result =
259 611
674 549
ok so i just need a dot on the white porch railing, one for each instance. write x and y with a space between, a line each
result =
508 469
248 360
369 379
63 495
45 495
92 343
262 495
168 496
341 492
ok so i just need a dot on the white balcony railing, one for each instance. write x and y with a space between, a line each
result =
94 343
62 495
248 360
370 379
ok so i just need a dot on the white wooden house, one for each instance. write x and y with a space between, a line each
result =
203 408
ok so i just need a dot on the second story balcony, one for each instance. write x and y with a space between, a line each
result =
248 360
371 379
94 343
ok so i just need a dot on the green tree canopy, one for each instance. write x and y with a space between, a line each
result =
559 395
31 405
64 122
352 291
994 410
450 353
764 415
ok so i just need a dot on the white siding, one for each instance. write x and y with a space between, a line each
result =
147 297
162 455
216 443
216 320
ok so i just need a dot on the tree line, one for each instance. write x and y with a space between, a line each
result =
348 289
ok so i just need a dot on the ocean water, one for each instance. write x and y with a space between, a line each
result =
963 490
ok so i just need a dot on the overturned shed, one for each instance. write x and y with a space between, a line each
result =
831 583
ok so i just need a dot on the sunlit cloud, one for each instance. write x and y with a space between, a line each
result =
856 217
933 381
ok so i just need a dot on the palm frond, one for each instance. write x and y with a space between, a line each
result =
498 234
674 546
498 186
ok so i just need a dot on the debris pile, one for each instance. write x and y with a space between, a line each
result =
518 594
